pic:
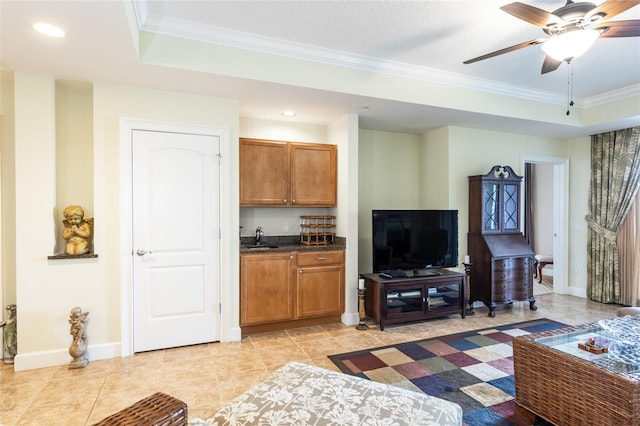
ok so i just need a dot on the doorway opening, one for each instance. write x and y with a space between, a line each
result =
545 198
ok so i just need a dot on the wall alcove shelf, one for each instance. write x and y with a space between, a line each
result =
72 256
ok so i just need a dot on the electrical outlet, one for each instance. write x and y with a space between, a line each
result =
285 226
576 268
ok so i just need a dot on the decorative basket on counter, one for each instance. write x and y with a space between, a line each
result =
317 230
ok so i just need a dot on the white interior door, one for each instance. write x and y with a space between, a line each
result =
176 242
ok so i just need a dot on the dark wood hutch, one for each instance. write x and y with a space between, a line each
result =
501 259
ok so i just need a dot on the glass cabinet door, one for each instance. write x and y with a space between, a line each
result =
491 201
510 216
494 200
404 301
443 297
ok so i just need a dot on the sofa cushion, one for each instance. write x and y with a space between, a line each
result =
300 394
628 311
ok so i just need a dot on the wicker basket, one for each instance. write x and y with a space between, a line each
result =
158 409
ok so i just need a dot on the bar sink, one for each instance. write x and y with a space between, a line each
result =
260 247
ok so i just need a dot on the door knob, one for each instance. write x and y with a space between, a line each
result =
142 252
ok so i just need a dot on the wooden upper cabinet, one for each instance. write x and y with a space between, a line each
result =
494 202
264 172
313 174
275 173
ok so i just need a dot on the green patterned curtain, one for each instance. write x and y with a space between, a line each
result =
615 177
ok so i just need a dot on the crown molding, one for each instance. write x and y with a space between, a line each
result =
141 12
251 42
613 95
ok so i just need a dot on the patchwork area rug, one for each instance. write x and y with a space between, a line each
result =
473 369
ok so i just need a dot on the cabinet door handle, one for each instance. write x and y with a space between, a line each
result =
284 201
299 271
293 201
321 258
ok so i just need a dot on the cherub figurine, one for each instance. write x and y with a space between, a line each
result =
77 230
78 330
10 334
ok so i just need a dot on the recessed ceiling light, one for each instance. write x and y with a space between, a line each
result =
289 113
48 29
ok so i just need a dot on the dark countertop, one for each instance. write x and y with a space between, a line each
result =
283 244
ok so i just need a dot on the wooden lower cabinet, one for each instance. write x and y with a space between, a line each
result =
501 270
265 288
319 284
396 300
287 290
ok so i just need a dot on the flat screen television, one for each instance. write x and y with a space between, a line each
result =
414 239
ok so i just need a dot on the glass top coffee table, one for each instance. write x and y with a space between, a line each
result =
565 384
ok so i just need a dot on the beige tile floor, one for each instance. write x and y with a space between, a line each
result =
206 376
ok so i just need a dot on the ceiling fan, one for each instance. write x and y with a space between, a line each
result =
572 29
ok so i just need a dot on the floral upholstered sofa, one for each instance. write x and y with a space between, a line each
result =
300 394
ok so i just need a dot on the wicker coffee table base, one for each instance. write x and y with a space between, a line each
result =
158 409
566 390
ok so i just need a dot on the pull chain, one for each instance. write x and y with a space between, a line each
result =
570 86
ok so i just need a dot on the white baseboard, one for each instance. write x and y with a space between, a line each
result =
30 361
235 334
577 291
350 318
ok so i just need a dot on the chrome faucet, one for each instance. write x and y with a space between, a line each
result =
259 234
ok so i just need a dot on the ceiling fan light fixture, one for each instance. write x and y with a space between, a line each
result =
570 44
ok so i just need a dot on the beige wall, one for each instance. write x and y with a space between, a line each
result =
111 103
388 177
285 221
47 289
74 151
474 152
279 221
45 292
579 151
380 169
447 157
50 288
435 169
7 188
344 133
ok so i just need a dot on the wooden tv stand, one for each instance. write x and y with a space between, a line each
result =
395 300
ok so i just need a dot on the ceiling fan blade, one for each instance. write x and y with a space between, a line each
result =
629 28
532 15
506 50
611 8
550 64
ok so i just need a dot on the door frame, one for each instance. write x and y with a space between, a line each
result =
560 217
127 126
